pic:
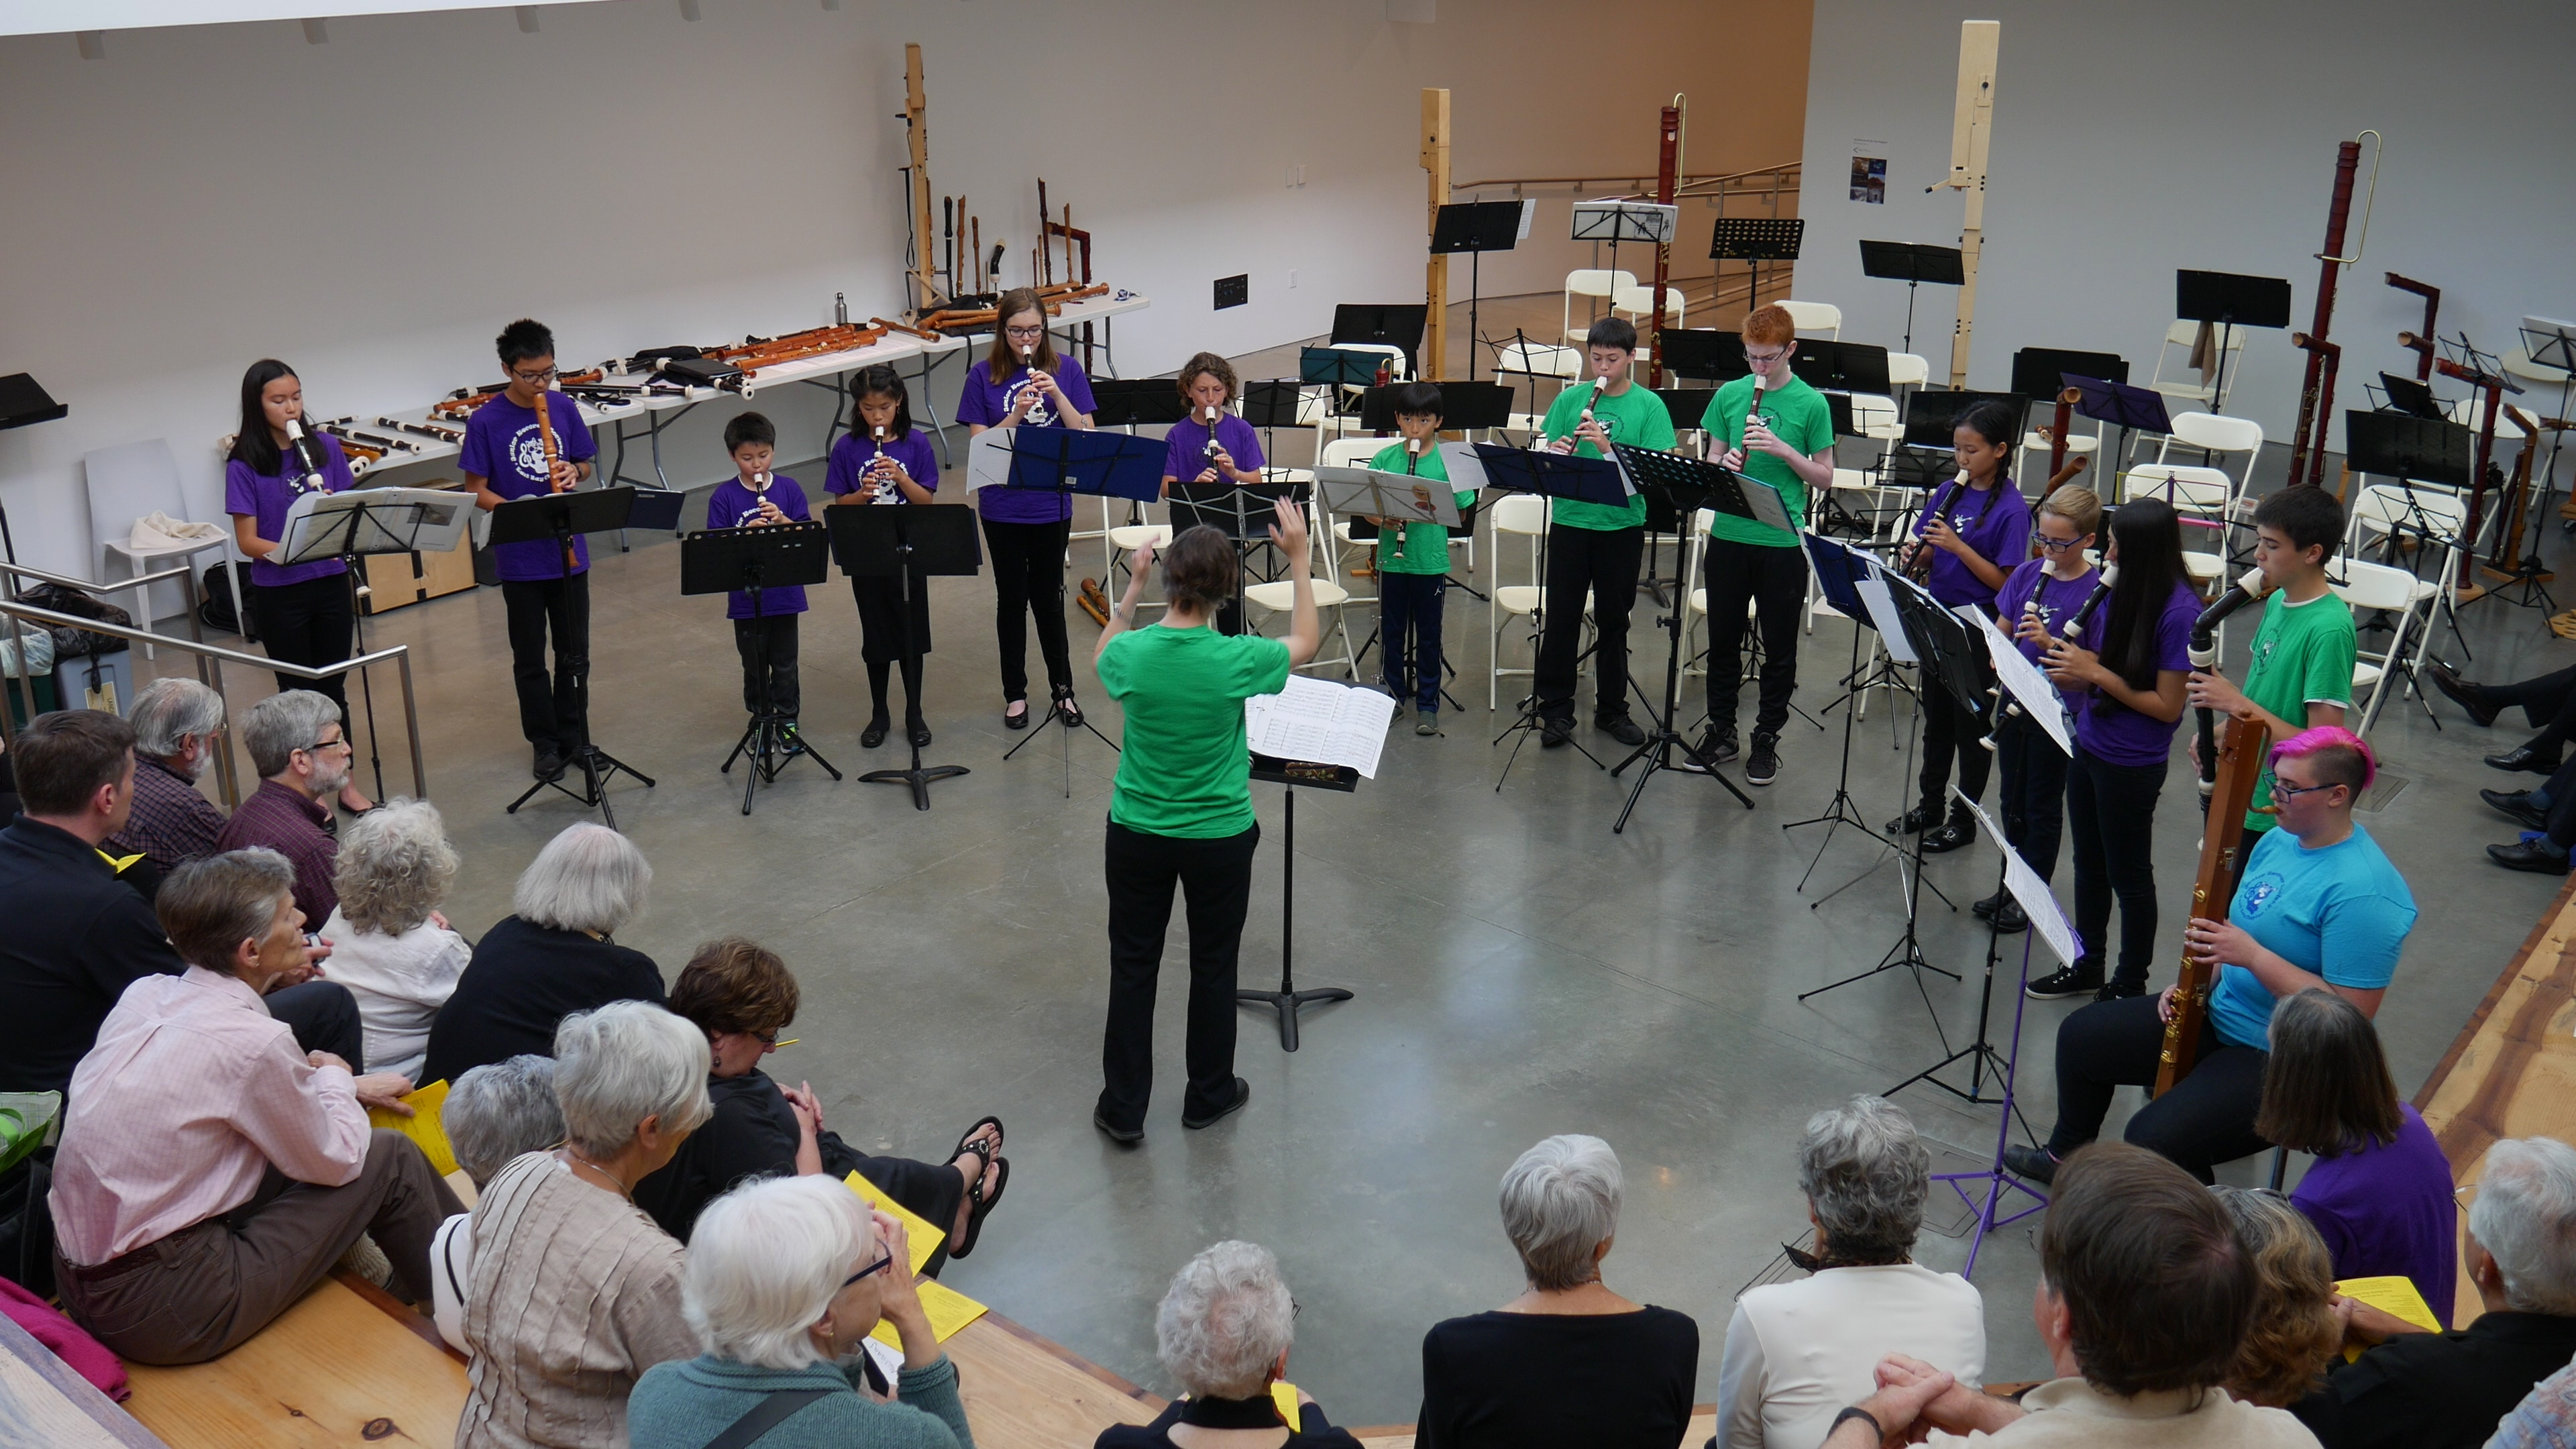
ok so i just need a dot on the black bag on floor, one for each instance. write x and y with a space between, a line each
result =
69 642
215 605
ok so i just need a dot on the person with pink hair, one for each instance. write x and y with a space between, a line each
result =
2317 906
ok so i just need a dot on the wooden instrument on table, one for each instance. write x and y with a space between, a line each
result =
2316 393
2240 765
464 401
756 353
426 430
954 321
908 331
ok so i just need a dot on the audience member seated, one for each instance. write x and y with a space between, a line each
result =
2548 705
2296 1330
741 995
1796 1353
210 1171
175 721
295 743
2550 811
2380 1190
1223 1333
2546 1417
575 1293
554 957
2144 1295
1568 1361
493 1114
2317 905
2433 1390
389 944
784 1281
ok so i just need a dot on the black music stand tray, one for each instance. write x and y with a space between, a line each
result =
909 542
1288 998
1686 485
721 560
2119 405
1754 240
1475 227
2231 300
558 517
1913 263
1551 475
1271 404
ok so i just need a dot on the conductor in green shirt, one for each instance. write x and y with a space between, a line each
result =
1180 811
1595 546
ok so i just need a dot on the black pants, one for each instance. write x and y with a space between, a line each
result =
555 716
2207 1118
1950 731
2111 813
311 624
930 1189
770 639
1604 562
1408 626
1028 575
1775 579
2034 792
2548 705
324 1017
1215 877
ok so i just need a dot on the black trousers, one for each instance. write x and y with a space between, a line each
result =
554 715
2208 1117
1215 877
2111 813
324 1017
1603 562
1950 732
2034 792
770 639
2548 705
1028 576
1408 626
311 624
1775 579
931 1189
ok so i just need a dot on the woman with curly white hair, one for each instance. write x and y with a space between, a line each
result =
389 944
1223 1332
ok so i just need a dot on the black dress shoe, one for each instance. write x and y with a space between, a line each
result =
2009 918
549 765
874 735
1985 910
2532 855
2524 757
2472 700
1123 1136
2031 1164
2517 804
1921 817
1553 733
1242 1094
1950 835
2118 990
1622 729
919 731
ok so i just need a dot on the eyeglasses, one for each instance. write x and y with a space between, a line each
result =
523 375
1025 332
1764 359
879 1266
770 1039
2053 545
2292 792
318 746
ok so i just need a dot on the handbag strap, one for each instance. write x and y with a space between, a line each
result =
765 1416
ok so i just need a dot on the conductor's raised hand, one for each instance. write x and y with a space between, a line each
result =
1288 528
1141 562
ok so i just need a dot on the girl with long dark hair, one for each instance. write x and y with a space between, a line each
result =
304 612
884 461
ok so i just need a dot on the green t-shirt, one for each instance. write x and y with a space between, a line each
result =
1184 768
1425 549
2302 655
1635 417
1797 415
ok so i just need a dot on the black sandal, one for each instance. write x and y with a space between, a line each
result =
966 1140
984 1205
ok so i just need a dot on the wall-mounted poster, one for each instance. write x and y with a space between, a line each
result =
1869 172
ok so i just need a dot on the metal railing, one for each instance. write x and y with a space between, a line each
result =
210 660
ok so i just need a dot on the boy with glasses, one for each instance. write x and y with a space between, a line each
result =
1787 443
543 589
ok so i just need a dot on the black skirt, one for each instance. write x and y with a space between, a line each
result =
880 617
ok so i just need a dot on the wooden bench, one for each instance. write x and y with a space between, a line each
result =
45 1405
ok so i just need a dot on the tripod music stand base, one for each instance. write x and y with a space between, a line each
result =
916 777
597 768
769 757
1286 1000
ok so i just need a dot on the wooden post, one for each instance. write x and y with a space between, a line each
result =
916 122
1435 273
1972 124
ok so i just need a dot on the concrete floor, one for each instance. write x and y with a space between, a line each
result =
1520 970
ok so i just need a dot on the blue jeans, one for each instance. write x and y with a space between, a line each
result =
1408 627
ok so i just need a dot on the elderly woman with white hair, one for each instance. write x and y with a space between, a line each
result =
1223 1332
1796 1353
389 944
1568 1361
575 1292
786 1277
556 955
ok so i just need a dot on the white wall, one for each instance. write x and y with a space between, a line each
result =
2131 140
373 209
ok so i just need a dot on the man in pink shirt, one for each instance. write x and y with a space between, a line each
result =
210 1171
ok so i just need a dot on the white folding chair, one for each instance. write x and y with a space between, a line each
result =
2203 497
1637 304
2185 335
2438 517
1279 596
1514 515
124 484
1595 284
1822 317
2378 588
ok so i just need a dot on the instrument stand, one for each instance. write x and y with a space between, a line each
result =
1287 999
720 561
909 542
1998 1181
559 516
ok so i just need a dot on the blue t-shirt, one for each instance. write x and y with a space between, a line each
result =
987 403
502 446
2342 912
727 507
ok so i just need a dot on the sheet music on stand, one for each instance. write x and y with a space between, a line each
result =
1855 581
395 520
1320 721
2023 680
2549 342
2037 901
1373 493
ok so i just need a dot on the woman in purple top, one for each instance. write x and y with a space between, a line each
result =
764 634
1211 446
304 611
884 461
1024 383
2380 1191
2128 697
2039 596
1978 527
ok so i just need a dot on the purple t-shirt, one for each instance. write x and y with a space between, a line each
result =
988 404
264 498
727 507
2058 599
2389 1212
852 454
502 446
1185 457
1993 521
2111 731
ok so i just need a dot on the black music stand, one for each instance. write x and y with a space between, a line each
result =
1839 572
2114 403
1703 354
2231 300
2039 373
1133 402
1932 418
1270 405
1686 485
556 518
2407 450
1387 324
1465 407
911 542
1843 367
1754 240
1551 475
722 560
1286 1000
2408 396
1913 263
1475 227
